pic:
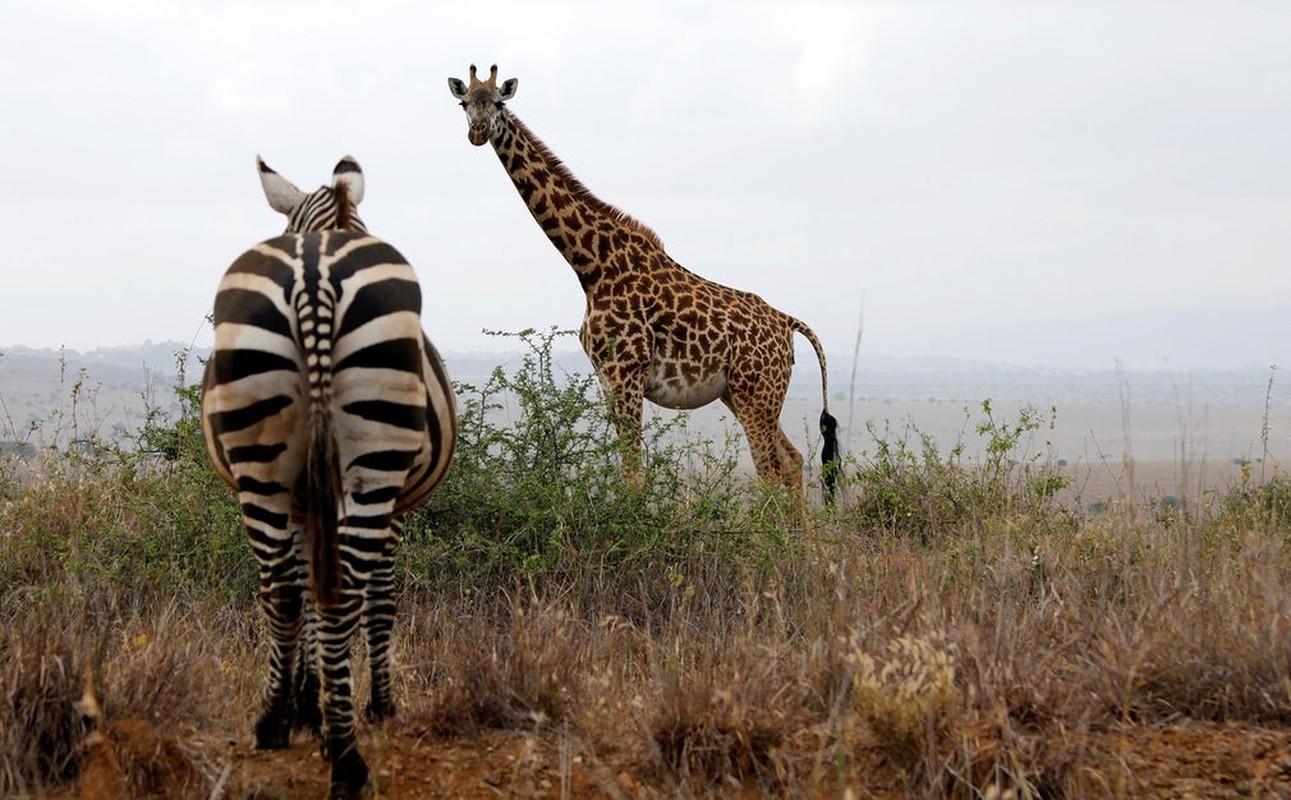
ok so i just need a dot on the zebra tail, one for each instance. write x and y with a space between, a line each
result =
323 483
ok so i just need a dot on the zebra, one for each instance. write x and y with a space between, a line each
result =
328 411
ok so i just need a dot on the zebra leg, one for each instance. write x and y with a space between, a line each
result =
308 713
282 579
378 622
336 625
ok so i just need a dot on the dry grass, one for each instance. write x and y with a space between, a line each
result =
958 666
949 631
955 666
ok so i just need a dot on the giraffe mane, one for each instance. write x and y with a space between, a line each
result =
581 192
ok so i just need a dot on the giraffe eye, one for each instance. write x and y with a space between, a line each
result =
462 104
497 103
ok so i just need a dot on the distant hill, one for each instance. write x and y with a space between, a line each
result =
57 394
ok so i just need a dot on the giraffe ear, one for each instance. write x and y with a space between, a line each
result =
282 194
508 89
458 88
348 174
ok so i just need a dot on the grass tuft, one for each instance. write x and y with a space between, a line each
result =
41 730
708 733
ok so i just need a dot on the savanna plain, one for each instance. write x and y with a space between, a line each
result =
999 609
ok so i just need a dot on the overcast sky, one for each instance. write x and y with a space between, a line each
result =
1063 183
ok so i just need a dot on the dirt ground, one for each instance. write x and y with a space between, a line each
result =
1186 760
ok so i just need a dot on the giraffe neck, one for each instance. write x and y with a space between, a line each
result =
586 230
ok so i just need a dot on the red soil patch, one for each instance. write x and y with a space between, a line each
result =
1189 760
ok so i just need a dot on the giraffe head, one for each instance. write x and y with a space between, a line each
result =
328 208
482 101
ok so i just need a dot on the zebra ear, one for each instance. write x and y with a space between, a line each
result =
282 195
348 174
508 89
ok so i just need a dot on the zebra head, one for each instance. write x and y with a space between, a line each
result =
328 208
482 101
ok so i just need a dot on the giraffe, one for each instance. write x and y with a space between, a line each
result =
653 329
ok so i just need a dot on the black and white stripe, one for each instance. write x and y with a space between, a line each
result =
328 410
326 209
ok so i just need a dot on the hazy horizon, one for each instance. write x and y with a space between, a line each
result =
1206 340
1185 428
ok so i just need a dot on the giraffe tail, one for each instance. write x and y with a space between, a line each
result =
831 465
830 458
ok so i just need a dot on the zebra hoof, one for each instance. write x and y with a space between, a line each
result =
378 711
308 718
307 705
349 777
273 733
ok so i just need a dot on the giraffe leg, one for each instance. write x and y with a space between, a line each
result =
766 454
622 363
626 402
790 461
755 394
764 445
791 473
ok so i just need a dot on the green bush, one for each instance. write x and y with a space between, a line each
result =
1259 505
908 486
537 482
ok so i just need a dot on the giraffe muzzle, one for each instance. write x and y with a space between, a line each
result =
478 136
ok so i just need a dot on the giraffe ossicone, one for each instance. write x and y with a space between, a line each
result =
653 329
